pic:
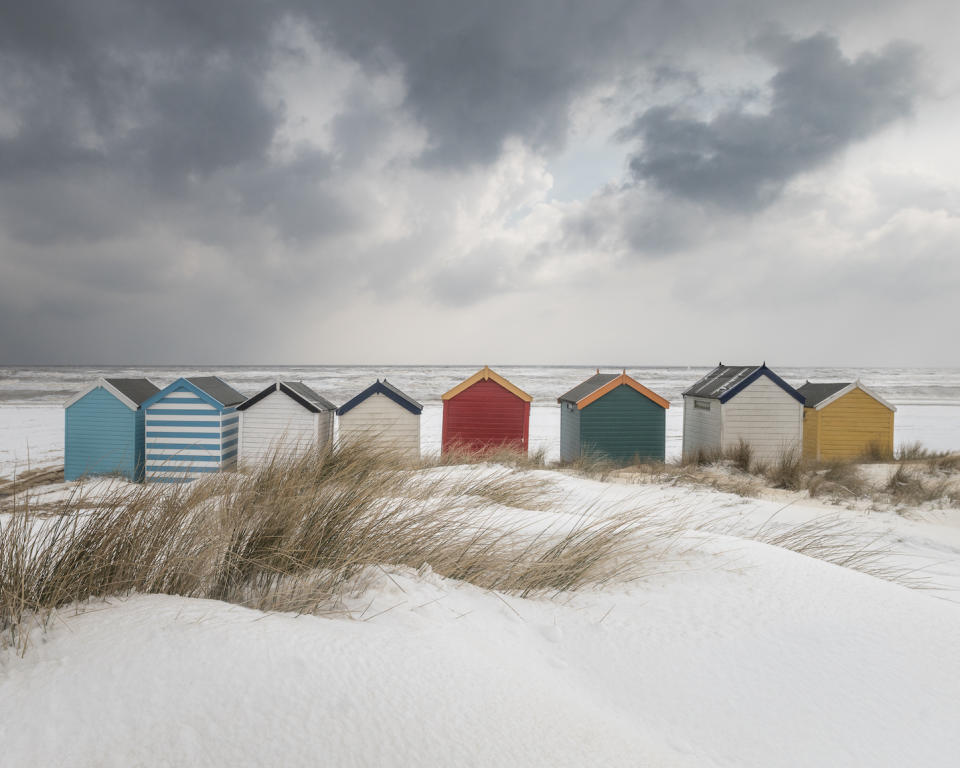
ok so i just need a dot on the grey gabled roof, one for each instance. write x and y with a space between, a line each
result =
402 395
720 380
587 387
301 389
297 391
726 381
388 390
218 389
814 394
137 390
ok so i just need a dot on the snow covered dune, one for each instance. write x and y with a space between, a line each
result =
753 656
727 652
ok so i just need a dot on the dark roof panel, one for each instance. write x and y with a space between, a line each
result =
721 379
137 390
218 389
386 389
295 390
815 394
389 387
318 401
725 381
587 387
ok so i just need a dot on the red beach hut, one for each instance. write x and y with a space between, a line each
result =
486 412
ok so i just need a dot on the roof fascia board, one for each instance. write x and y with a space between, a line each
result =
182 382
622 380
102 382
849 388
258 397
762 371
373 389
486 373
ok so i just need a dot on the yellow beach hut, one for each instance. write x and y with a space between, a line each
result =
845 421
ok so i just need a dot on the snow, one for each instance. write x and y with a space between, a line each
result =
733 653
30 436
752 656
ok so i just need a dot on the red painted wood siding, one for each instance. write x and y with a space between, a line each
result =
485 417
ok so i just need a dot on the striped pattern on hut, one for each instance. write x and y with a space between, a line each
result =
192 429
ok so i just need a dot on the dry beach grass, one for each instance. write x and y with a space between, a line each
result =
298 534
916 476
294 534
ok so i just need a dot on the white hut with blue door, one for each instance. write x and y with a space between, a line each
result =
747 403
284 420
192 429
103 429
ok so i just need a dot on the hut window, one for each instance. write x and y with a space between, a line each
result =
703 405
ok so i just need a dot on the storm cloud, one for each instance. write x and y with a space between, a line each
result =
820 102
180 180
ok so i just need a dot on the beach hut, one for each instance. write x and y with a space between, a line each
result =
845 421
749 403
383 416
614 417
103 429
486 412
192 429
285 419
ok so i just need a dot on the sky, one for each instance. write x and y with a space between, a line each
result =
520 182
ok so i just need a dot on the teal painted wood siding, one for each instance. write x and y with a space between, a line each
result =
622 426
102 436
569 432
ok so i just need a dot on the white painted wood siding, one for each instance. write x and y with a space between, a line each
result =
766 417
278 425
183 438
701 428
384 423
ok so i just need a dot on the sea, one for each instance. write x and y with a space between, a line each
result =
32 398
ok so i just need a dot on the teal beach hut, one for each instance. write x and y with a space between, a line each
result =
192 429
611 416
103 429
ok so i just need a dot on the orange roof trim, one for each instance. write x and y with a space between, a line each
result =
486 373
620 380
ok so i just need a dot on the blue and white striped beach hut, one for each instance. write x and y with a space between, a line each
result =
192 429
103 429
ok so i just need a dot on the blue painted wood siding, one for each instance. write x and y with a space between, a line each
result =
623 426
569 432
102 436
187 438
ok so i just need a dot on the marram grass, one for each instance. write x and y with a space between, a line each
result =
294 533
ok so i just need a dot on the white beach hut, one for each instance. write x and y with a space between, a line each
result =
748 403
285 419
383 416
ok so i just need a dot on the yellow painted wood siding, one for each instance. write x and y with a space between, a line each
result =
811 433
851 424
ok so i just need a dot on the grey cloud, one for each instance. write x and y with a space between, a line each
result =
199 123
820 103
142 170
483 273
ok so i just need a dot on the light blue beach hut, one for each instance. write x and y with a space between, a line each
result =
192 429
103 429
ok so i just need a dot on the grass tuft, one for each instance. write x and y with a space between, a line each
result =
787 471
297 533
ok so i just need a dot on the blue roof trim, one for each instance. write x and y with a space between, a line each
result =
378 388
184 384
763 371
